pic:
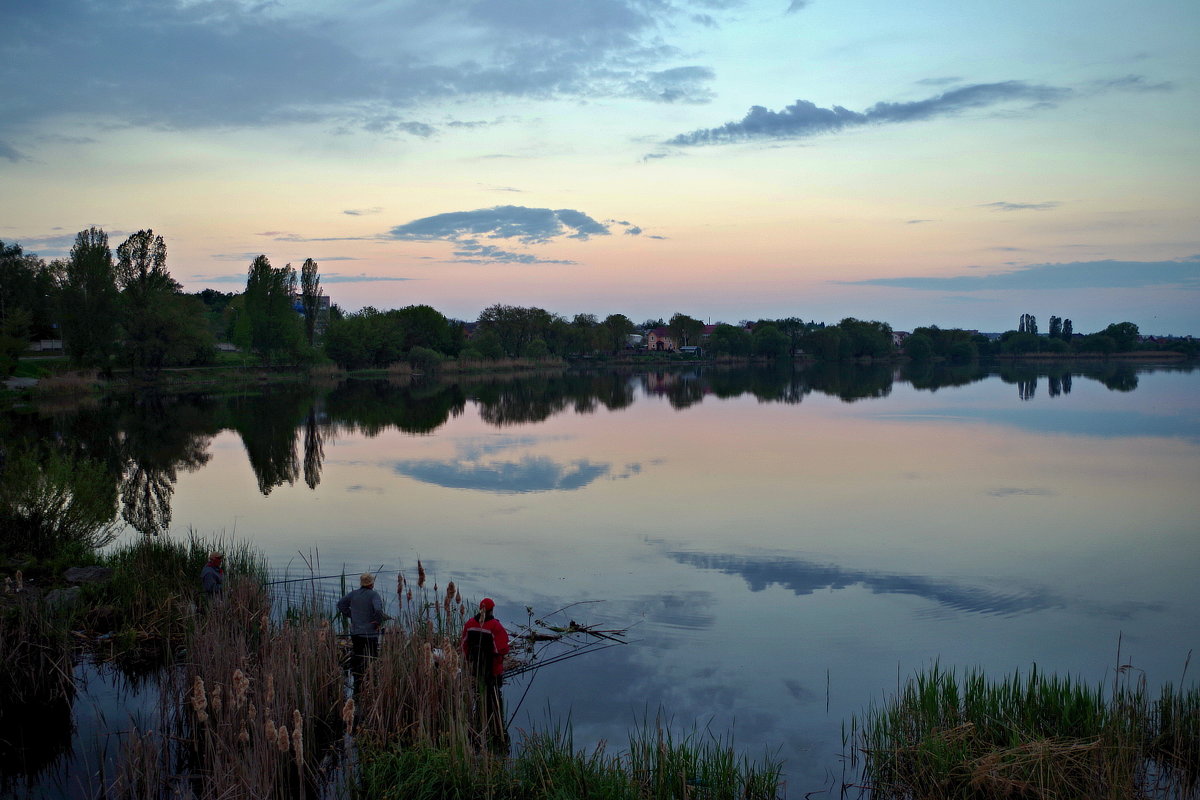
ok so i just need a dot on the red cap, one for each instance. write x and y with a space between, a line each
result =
487 603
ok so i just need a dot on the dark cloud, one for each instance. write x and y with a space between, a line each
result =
1003 206
804 118
946 81
797 5
1184 273
181 64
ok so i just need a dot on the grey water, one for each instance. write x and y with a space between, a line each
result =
783 546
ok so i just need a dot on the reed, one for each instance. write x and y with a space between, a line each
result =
1026 735
71 383
657 766
154 592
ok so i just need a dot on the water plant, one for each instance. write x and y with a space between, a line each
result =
1030 735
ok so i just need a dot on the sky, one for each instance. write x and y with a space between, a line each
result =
932 162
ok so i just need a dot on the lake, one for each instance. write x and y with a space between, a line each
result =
784 547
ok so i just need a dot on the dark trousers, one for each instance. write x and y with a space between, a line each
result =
364 647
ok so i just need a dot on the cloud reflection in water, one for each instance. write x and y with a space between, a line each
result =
806 577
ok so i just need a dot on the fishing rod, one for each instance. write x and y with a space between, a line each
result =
326 577
589 648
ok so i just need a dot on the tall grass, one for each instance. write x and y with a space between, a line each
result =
154 593
1030 735
656 766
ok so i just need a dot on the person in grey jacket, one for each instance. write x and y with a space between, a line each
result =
364 607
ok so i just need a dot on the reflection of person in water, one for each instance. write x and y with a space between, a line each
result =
484 645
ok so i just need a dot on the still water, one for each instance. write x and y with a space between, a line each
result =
784 547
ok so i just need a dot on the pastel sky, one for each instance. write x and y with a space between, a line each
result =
937 161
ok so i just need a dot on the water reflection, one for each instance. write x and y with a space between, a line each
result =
806 577
145 441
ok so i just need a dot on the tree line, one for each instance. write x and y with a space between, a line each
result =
122 308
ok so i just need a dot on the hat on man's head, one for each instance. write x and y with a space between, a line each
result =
487 604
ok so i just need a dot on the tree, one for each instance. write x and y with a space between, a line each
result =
684 329
1068 330
90 302
770 342
1124 335
310 299
162 326
918 347
730 340
268 324
1055 327
614 332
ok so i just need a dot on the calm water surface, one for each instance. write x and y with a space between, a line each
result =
783 547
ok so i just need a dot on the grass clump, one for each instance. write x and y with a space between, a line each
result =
1027 736
547 766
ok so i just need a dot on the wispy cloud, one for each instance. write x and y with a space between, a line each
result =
326 277
804 118
1004 206
1184 274
362 212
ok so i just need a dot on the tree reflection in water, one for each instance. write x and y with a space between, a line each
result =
144 440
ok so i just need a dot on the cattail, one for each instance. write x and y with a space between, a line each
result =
201 717
253 711
241 685
244 735
282 741
298 746
348 714
450 589
20 581
269 729
8 585
270 689
409 595
199 699
420 574
297 720
458 596
215 698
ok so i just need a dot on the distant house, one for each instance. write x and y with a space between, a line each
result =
660 339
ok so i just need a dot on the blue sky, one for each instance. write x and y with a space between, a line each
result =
945 162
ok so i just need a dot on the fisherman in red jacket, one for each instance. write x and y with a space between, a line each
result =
484 645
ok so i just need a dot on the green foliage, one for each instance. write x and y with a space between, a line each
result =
162 326
918 347
548 766
685 330
730 340
614 332
948 736
516 327
52 503
1124 335
90 302
424 359
268 324
310 299
374 339
770 342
